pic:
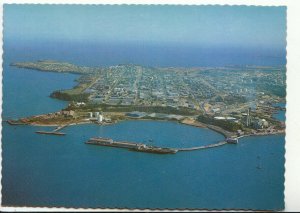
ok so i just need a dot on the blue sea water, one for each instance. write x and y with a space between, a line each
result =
41 170
147 54
280 114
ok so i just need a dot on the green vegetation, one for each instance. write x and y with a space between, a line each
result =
62 95
227 125
148 109
277 90
232 99
229 99
78 92
55 66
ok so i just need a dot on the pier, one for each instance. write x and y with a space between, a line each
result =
203 147
54 132
146 148
60 127
50 133
132 146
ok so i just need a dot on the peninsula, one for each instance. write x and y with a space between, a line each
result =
233 100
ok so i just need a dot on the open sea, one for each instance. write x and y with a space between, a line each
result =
45 170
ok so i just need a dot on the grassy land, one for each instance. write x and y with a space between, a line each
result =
77 93
56 66
147 109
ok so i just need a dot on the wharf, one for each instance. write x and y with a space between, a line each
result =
146 148
138 147
204 147
12 122
54 132
50 133
60 127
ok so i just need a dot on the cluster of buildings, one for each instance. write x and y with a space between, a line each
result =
224 93
179 87
95 116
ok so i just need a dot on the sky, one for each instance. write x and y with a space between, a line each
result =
229 26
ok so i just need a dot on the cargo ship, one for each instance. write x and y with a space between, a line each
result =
154 149
139 147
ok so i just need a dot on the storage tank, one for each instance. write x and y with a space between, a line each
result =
100 118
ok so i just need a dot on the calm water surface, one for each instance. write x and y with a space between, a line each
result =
41 170
280 115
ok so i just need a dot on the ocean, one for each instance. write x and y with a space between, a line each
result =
280 115
45 170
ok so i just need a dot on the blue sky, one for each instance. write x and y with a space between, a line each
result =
195 25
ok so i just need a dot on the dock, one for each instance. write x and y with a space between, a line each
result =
53 132
60 127
50 133
132 146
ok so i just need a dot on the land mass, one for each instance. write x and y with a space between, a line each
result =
236 100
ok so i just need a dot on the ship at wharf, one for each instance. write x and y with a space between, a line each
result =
139 147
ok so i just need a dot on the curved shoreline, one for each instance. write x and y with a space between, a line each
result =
195 124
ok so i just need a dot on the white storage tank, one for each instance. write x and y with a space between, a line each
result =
100 118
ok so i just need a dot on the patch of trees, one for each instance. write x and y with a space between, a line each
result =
231 99
278 90
69 97
149 109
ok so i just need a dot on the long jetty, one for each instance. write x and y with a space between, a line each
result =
50 133
54 132
146 148
203 147
60 127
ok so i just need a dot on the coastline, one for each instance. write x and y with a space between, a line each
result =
186 121
52 121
